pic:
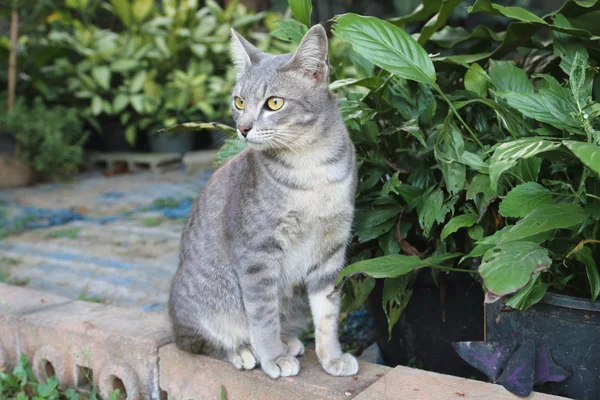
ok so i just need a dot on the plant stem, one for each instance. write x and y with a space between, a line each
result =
439 90
441 267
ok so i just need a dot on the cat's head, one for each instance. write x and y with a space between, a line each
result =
282 101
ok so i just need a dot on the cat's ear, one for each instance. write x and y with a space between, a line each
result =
243 54
311 56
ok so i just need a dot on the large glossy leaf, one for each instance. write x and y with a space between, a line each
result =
545 218
102 76
476 80
392 266
529 295
523 199
290 30
507 76
302 9
122 9
386 46
517 13
438 20
588 153
507 154
422 12
449 36
141 9
586 257
508 267
368 218
430 210
199 126
460 221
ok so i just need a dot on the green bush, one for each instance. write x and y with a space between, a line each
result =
49 139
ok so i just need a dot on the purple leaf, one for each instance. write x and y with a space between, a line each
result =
546 370
518 376
488 358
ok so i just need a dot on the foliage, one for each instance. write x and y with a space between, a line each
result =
472 154
50 139
153 65
21 384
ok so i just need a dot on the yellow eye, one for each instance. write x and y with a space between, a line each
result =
274 103
239 103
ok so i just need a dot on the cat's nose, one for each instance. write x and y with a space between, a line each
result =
244 129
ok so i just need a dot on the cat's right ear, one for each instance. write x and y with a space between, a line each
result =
243 54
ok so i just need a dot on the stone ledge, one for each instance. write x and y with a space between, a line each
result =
14 303
406 383
129 349
185 376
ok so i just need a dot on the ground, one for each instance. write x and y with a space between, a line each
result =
111 239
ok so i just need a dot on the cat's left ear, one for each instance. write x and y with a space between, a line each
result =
311 56
243 54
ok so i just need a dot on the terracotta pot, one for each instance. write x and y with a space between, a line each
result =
14 172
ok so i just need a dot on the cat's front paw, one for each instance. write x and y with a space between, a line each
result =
243 358
283 366
294 347
344 366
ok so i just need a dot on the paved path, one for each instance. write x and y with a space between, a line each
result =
119 243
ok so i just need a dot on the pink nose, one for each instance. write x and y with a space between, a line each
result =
244 129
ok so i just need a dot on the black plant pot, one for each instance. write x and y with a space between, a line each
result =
7 142
430 323
569 327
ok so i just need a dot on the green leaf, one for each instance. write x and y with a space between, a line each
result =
545 218
553 104
199 126
586 257
137 101
430 210
368 218
448 152
302 9
476 80
523 199
505 76
395 296
120 102
122 9
460 221
389 266
507 154
96 105
290 31
230 148
130 134
529 295
387 46
577 76
588 153
508 267
141 9
374 231
102 75
518 13
137 82
438 20
46 389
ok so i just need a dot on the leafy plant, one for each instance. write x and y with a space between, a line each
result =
50 139
493 166
20 384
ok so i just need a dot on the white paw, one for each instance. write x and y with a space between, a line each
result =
344 366
283 366
243 358
294 346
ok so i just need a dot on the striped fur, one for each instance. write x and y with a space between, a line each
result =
267 235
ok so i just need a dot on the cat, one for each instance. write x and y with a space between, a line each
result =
267 236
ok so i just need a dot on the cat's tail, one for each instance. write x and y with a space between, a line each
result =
190 342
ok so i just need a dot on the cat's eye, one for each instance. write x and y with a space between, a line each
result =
239 103
274 103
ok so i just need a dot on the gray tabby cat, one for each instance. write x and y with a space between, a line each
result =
267 236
